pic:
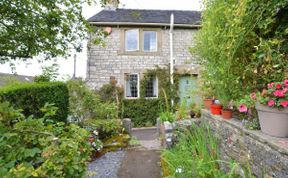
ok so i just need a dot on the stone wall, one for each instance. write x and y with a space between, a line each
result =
267 156
104 62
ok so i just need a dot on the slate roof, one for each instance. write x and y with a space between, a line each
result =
141 16
5 78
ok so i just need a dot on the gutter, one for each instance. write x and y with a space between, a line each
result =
145 24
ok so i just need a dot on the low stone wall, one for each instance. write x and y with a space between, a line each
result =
266 156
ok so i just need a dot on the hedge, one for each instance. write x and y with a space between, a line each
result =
142 112
32 96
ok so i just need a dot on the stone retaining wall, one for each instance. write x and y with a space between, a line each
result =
267 156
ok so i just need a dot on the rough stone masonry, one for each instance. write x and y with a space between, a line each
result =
104 62
266 156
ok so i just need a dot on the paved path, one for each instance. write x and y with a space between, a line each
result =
143 161
136 162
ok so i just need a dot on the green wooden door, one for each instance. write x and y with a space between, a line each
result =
188 90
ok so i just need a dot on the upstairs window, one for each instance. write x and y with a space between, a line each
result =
132 86
151 90
149 41
132 40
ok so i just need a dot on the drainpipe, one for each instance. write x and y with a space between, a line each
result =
171 55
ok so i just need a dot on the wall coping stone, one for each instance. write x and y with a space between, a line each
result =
279 144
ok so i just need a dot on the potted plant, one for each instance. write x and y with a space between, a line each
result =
273 109
216 108
226 111
206 93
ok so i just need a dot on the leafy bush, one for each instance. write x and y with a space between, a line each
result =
167 116
243 45
32 96
142 112
106 128
32 148
196 155
86 104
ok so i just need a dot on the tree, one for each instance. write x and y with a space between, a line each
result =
41 27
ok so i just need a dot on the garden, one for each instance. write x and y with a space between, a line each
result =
54 129
242 47
51 128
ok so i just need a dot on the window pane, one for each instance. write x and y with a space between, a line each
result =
150 41
132 86
151 87
131 40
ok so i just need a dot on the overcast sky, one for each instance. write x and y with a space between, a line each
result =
66 65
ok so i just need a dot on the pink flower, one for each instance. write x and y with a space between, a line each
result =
271 85
253 96
285 90
284 103
271 103
286 83
278 86
279 93
243 108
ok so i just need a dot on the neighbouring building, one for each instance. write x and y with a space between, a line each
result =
139 40
6 78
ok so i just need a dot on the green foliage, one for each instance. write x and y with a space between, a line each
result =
32 27
196 155
182 110
86 104
49 73
106 128
30 97
167 116
165 89
142 112
31 148
243 45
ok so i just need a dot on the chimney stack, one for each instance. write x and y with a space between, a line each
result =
112 4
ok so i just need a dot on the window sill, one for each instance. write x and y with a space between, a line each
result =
131 98
138 53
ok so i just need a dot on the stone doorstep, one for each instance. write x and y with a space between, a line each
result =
280 144
144 128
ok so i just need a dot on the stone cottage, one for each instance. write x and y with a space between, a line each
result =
139 40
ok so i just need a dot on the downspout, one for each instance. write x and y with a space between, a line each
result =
171 57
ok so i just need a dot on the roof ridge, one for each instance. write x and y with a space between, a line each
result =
154 10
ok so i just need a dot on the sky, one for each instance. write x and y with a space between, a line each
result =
66 66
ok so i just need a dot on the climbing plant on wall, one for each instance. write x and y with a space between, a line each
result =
144 111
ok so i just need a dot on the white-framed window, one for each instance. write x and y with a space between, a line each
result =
132 40
150 41
151 88
132 86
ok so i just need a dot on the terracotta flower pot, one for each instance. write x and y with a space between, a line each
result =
273 122
226 113
207 103
216 109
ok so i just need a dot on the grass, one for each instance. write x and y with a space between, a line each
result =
196 155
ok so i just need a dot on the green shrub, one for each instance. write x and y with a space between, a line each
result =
31 148
86 104
242 45
30 97
106 127
142 112
167 116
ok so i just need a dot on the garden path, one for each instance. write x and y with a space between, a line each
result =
142 161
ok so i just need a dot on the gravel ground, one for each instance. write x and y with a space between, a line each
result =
107 165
